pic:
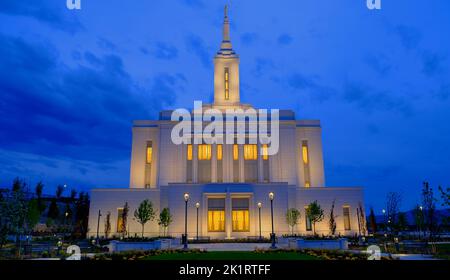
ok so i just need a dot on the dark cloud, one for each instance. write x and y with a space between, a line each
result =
263 66
301 82
83 112
432 64
249 38
379 63
194 3
106 44
370 100
409 36
196 45
46 11
165 51
443 92
285 39
309 85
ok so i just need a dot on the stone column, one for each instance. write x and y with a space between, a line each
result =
228 217
241 164
214 163
194 163
260 165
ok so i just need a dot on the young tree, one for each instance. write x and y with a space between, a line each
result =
292 217
165 219
362 219
402 221
53 210
144 213
419 218
393 201
372 221
125 211
429 207
73 194
315 214
107 224
332 219
59 191
81 214
39 190
445 195
33 214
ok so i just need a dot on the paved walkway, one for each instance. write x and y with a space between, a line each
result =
230 246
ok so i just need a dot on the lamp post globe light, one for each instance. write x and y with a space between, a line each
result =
197 205
259 211
184 237
272 235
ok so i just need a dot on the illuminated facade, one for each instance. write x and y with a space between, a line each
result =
228 181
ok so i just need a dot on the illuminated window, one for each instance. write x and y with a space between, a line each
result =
189 152
346 212
240 214
204 152
149 152
250 152
216 220
241 220
227 84
219 152
235 152
305 154
216 214
265 153
120 220
306 168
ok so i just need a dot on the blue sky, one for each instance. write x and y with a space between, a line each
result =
72 82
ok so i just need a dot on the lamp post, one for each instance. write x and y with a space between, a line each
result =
98 225
259 210
197 205
184 237
272 235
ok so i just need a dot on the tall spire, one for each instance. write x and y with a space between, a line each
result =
225 47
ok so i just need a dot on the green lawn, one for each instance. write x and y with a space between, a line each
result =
233 256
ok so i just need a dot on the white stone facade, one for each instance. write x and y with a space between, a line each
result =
295 175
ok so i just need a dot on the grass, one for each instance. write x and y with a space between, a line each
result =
253 256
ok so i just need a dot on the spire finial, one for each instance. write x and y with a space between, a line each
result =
226 12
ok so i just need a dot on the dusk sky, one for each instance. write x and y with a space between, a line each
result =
72 82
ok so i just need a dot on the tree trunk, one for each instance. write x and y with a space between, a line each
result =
143 230
314 228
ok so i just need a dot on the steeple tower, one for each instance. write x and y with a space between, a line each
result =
226 70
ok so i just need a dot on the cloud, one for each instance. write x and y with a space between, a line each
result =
194 3
379 63
432 64
263 66
84 112
196 45
52 13
409 36
106 44
371 100
165 51
249 38
285 39
308 85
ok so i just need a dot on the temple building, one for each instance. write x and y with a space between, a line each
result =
228 184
